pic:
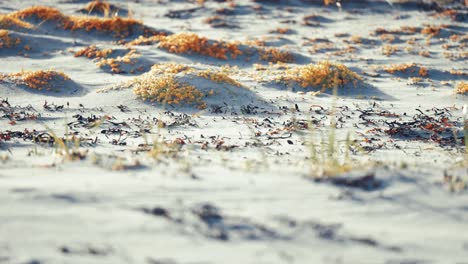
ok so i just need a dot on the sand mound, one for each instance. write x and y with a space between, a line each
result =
407 70
462 88
45 81
115 60
193 44
188 86
118 27
323 75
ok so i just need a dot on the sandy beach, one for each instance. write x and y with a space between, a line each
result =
286 131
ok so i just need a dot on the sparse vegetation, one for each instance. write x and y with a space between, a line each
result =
324 75
218 77
275 55
142 40
93 52
11 22
166 90
192 43
121 27
408 68
388 50
6 41
39 80
102 57
462 88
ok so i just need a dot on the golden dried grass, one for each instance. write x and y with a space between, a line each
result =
324 75
6 41
8 21
162 84
38 80
407 68
462 88
121 27
192 43
165 89
93 52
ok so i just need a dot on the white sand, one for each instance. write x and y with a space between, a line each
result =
246 198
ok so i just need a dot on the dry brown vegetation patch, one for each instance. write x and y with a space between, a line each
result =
324 75
166 89
275 55
6 41
142 40
408 68
462 88
192 43
8 22
121 27
432 30
389 50
38 80
164 84
101 56
93 52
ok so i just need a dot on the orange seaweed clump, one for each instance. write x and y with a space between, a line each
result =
462 88
169 68
6 41
9 21
142 40
165 89
407 68
120 26
116 63
40 12
93 52
432 30
101 56
388 50
192 43
324 74
39 79
218 76
275 55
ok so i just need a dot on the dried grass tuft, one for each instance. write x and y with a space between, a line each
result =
324 74
408 68
6 41
121 27
38 80
462 88
192 43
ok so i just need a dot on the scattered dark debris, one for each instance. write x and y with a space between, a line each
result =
249 109
437 127
218 109
180 120
123 108
52 107
157 211
85 250
17 113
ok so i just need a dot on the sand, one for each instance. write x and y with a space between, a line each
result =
258 168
